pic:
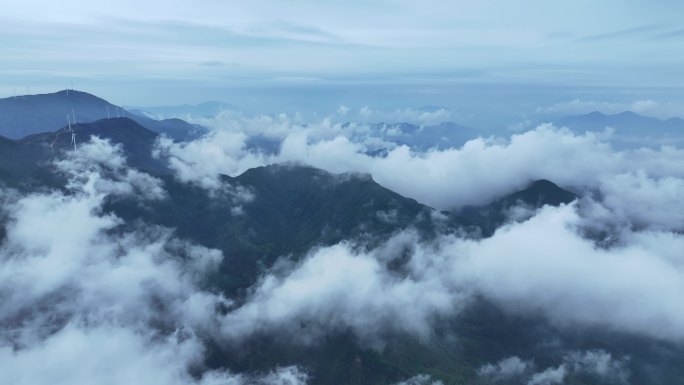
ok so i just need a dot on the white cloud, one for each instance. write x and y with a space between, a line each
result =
365 112
102 355
484 169
342 109
98 157
203 160
320 294
479 171
634 287
60 247
598 363
571 280
550 376
421 379
645 201
505 369
91 303
420 117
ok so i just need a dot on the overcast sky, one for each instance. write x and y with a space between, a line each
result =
159 46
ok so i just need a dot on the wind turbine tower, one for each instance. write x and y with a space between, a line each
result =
73 133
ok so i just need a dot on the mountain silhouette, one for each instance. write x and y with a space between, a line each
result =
537 194
32 114
625 124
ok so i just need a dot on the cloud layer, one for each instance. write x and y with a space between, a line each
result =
596 363
479 171
86 302
633 288
138 297
218 46
632 204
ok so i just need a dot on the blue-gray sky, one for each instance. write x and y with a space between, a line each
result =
173 51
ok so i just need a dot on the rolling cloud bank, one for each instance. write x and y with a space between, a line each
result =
73 275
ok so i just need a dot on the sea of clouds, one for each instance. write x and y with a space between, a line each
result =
89 300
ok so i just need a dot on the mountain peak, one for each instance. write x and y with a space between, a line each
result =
542 184
629 114
538 193
44 113
541 192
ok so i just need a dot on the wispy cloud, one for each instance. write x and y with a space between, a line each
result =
265 39
670 34
640 31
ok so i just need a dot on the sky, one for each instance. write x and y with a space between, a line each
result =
173 51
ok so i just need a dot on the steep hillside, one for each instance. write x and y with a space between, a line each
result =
279 210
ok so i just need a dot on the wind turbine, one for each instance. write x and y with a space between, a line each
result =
73 133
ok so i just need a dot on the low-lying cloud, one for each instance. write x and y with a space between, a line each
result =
95 283
479 171
597 363
549 263
634 287
85 302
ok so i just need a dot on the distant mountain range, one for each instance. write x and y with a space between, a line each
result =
440 136
627 125
32 114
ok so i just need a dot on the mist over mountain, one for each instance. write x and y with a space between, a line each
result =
28 160
341 193
268 212
342 253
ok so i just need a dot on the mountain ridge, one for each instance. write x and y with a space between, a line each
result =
33 114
